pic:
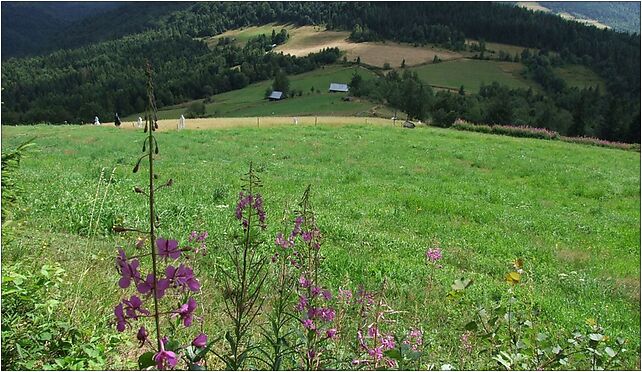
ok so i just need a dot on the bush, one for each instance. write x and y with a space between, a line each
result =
35 332
195 110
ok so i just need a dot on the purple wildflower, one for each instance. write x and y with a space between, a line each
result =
388 342
147 287
376 353
121 322
433 254
315 291
303 282
168 248
182 277
326 295
331 333
127 270
303 302
186 312
133 305
141 336
200 340
309 324
307 236
326 314
373 331
165 359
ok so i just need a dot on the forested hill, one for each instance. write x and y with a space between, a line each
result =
30 28
105 76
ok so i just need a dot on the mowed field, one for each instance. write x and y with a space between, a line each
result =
311 39
382 195
250 101
473 73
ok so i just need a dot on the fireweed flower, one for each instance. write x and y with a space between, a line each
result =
376 353
182 277
315 291
141 336
309 324
165 359
433 254
253 201
147 287
331 333
303 302
186 312
388 342
133 305
121 322
200 340
326 314
168 248
303 282
127 270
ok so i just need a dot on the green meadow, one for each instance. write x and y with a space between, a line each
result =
473 73
382 195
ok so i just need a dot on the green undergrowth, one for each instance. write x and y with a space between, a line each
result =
381 195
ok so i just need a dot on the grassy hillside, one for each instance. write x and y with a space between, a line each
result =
473 73
580 76
382 195
250 100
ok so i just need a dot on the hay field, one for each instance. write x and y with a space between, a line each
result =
264 122
310 39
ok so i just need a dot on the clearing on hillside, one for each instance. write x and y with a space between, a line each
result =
472 73
310 39
314 98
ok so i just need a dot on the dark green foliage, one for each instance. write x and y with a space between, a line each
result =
99 79
36 332
11 189
405 92
195 110
281 83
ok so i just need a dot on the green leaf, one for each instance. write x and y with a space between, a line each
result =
196 367
146 360
471 326
610 352
393 353
172 345
461 284
45 336
513 277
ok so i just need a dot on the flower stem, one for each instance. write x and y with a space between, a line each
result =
150 154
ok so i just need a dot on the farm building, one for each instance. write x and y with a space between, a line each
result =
337 87
275 96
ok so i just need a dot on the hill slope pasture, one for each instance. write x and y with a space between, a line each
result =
315 98
382 196
311 39
472 73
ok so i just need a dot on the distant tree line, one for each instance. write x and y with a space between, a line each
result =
102 77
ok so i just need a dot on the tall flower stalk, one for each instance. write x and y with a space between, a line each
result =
243 295
178 282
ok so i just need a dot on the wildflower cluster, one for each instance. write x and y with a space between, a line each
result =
177 284
253 202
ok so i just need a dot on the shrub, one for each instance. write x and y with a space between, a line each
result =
195 110
36 331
